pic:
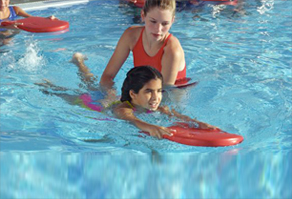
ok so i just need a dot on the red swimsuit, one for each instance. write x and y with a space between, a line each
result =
141 58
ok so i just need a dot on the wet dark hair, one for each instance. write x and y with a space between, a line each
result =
136 78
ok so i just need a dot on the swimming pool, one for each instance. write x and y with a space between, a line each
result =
51 149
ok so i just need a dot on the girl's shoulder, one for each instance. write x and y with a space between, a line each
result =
173 47
134 30
173 42
123 109
16 9
123 105
132 34
20 12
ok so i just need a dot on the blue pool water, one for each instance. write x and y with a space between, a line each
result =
52 149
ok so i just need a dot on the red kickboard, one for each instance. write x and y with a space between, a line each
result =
137 3
39 24
182 83
202 137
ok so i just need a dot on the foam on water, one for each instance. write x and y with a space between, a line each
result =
32 60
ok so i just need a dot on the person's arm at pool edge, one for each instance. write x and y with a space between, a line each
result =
118 58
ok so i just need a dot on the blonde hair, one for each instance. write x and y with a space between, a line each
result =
163 4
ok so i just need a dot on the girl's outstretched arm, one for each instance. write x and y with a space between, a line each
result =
125 112
174 113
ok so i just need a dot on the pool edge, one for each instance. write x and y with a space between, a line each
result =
42 5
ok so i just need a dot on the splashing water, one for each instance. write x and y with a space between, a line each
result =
217 9
32 59
267 5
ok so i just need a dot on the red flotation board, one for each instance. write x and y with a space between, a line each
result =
39 24
182 83
137 3
201 137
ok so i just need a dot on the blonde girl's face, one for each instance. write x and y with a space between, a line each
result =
149 96
4 4
157 22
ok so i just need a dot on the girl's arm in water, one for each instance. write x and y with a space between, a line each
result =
120 55
174 113
125 112
173 61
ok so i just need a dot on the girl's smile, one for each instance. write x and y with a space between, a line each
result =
149 97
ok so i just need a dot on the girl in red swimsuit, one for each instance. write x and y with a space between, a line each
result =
151 45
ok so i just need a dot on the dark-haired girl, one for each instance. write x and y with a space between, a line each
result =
142 89
141 92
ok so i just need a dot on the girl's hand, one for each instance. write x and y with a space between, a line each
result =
14 26
52 17
159 131
10 25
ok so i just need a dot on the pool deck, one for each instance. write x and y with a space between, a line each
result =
29 5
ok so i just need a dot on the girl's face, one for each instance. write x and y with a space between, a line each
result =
149 96
4 4
157 22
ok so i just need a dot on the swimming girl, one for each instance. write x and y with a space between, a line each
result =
151 44
141 92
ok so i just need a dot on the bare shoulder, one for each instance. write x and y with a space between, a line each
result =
173 46
133 33
122 107
17 9
123 111
133 30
